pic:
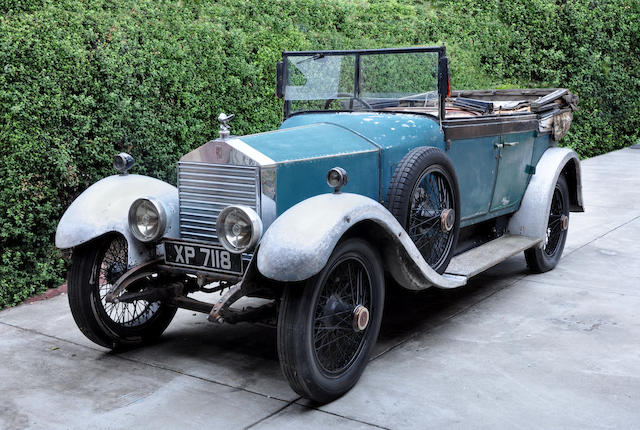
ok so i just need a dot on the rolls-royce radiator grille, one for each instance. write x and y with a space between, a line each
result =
205 189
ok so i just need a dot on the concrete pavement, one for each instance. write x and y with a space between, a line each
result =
510 350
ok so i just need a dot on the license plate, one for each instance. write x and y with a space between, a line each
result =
202 257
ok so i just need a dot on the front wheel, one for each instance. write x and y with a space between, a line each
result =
95 267
546 258
328 327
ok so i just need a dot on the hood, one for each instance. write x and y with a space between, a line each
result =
306 142
386 130
293 162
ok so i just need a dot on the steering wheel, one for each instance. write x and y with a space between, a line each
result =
351 99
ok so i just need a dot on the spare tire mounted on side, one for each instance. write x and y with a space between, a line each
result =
423 196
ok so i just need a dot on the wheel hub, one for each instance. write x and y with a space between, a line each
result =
447 219
360 318
334 310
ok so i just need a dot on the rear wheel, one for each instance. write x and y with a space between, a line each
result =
328 327
546 258
95 267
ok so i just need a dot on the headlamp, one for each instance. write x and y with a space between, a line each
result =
239 228
147 219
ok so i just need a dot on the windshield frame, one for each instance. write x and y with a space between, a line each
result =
443 72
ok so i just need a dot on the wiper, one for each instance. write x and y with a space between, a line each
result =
314 58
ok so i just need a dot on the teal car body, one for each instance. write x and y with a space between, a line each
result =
362 111
367 145
370 146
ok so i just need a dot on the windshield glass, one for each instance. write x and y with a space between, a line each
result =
371 81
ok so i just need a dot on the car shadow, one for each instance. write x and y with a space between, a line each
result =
245 355
409 312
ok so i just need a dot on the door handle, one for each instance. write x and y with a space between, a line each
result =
511 143
498 145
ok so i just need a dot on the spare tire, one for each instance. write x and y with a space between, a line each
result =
424 197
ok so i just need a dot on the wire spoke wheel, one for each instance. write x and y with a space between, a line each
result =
546 257
431 197
328 325
109 268
95 268
555 228
336 342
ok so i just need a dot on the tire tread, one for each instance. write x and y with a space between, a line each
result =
83 312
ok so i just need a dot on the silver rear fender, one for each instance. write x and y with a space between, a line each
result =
532 217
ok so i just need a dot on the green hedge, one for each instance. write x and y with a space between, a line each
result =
82 80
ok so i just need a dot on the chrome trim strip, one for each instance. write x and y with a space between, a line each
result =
203 165
268 210
250 152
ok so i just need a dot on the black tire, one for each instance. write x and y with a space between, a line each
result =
542 260
430 170
322 367
94 267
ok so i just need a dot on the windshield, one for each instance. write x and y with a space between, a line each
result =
361 81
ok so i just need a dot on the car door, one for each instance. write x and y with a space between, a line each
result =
514 170
475 163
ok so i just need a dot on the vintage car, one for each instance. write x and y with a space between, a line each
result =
379 174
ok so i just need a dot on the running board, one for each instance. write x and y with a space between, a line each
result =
485 256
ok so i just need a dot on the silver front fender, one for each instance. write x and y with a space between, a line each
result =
299 242
532 217
104 206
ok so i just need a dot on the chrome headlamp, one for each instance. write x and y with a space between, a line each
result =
147 219
239 228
